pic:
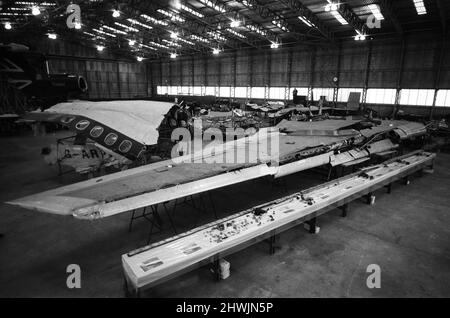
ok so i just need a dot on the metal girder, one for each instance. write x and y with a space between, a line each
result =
352 18
442 13
388 12
266 13
302 10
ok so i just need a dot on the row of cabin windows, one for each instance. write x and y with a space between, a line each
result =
414 97
97 131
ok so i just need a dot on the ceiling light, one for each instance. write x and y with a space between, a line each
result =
173 55
236 33
8 26
216 51
133 21
213 6
339 17
420 7
77 25
126 27
35 10
235 24
100 48
139 58
131 42
191 11
116 13
376 11
306 21
274 45
174 35
52 36
153 20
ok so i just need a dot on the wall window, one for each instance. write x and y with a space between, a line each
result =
197 91
225 91
344 93
240 92
417 97
301 91
277 93
172 90
327 92
443 98
185 90
381 96
210 91
161 90
257 92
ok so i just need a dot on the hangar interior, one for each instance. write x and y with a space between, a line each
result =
296 65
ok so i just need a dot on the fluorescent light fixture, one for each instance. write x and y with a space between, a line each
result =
171 43
239 35
153 20
52 36
131 42
235 23
103 32
172 16
274 45
173 55
306 21
126 27
77 25
420 7
35 10
199 38
376 11
210 4
116 13
339 17
112 29
216 51
8 26
139 58
100 48
174 35
133 21
191 11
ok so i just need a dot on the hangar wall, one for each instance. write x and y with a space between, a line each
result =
107 76
420 61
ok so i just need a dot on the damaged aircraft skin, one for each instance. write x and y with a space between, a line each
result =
287 148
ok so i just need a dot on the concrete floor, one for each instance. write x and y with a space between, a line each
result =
406 233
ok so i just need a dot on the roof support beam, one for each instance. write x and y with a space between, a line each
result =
302 10
353 19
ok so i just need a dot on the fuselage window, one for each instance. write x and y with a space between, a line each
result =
82 124
111 139
96 131
125 146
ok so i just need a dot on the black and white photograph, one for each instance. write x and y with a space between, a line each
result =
224 155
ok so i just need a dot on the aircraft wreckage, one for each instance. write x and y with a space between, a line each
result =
287 148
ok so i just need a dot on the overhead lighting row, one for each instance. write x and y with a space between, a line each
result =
153 20
186 41
339 17
170 15
136 22
256 29
126 27
104 33
214 6
112 29
280 24
216 36
239 35
171 43
198 38
306 21
191 11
